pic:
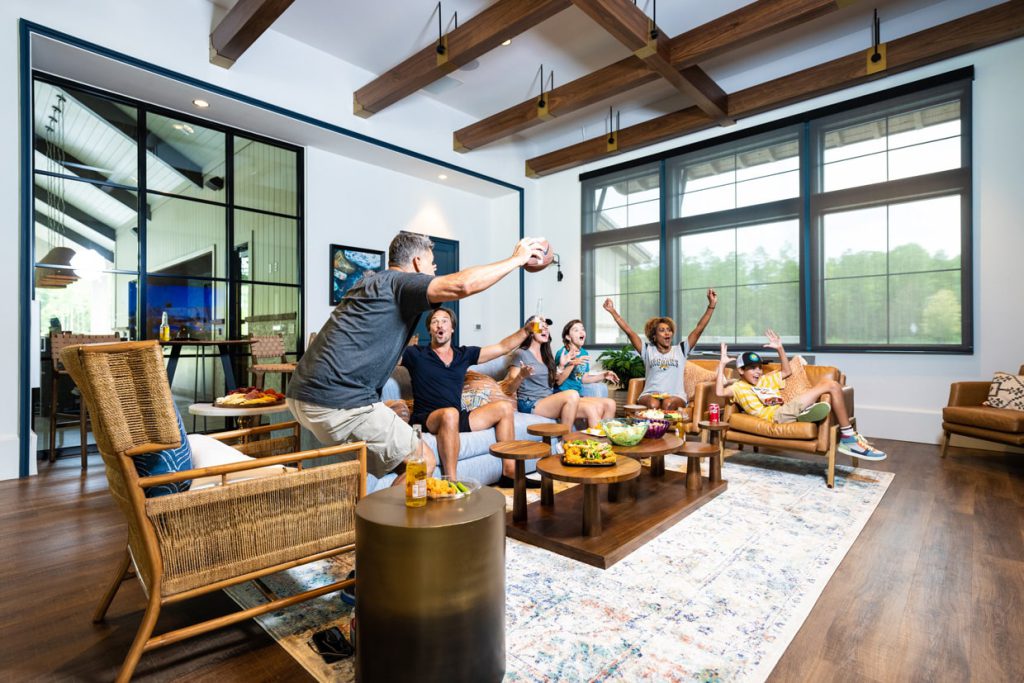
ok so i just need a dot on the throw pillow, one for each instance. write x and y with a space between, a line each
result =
693 375
167 461
1007 391
479 389
798 382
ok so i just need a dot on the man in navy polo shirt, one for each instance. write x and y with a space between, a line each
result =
438 372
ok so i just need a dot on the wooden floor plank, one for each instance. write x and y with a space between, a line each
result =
946 528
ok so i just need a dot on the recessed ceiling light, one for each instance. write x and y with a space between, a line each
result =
442 176
507 42
184 128
202 104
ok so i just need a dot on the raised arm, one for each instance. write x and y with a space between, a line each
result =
634 338
721 386
698 329
506 345
478 278
775 342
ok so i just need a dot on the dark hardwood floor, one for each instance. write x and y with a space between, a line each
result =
933 589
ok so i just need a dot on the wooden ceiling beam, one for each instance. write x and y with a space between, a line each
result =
241 27
975 31
751 22
627 23
501 21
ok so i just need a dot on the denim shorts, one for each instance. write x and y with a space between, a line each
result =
525 405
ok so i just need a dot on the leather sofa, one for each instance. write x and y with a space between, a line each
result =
965 415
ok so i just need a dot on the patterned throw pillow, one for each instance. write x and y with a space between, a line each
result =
797 382
1007 391
167 461
480 390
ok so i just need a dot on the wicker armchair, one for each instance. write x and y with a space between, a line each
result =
188 544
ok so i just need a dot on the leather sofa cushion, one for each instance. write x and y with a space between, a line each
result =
998 419
755 425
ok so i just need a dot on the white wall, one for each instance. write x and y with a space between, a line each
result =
356 204
898 396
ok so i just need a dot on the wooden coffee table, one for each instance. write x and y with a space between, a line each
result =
624 469
655 449
548 432
520 451
694 452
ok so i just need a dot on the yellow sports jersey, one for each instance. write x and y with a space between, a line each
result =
762 400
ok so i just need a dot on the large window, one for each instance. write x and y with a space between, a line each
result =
843 229
141 212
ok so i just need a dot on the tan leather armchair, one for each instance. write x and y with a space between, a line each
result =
808 437
965 415
697 405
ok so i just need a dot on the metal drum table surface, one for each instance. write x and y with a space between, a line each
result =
430 588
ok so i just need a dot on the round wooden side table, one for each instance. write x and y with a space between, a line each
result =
694 452
520 451
548 432
624 469
432 583
715 432
655 449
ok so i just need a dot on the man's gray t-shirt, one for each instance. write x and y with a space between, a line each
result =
354 353
535 387
664 371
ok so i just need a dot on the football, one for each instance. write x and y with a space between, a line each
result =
534 265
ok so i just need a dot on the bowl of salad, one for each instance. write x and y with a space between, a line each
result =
625 432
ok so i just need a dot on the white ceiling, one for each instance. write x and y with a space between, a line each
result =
378 35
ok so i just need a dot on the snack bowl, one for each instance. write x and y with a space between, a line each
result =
656 428
441 488
625 432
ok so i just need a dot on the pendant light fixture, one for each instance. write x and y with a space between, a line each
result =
60 254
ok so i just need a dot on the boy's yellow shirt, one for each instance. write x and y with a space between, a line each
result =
751 397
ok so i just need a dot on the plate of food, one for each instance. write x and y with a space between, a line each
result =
447 488
593 431
250 397
586 453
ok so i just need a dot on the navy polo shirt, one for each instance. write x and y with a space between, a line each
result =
434 384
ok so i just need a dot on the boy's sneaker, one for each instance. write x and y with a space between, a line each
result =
857 446
816 413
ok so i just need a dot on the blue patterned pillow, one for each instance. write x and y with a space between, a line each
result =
166 462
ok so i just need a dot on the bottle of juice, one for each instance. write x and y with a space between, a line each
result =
416 474
165 329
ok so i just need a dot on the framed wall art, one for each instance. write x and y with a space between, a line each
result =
349 265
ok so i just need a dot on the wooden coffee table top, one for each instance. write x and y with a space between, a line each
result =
647 448
624 469
521 450
713 426
547 429
698 450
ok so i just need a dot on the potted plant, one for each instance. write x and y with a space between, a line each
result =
626 364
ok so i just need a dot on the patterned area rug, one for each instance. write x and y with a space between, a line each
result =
718 597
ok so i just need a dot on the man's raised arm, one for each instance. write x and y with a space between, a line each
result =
506 345
476 279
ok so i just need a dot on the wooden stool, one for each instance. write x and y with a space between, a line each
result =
694 452
520 451
548 432
631 409
714 432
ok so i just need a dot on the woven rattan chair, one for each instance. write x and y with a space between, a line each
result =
270 347
58 342
188 544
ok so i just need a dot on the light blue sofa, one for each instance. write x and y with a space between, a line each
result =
475 459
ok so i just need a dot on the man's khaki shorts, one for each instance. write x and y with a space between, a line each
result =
388 439
788 412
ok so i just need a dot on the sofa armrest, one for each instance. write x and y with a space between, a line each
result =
968 393
636 387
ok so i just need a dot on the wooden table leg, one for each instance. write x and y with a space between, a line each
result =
658 466
591 511
519 493
547 491
715 464
693 482
614 491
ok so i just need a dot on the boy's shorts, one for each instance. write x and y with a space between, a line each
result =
787 412
388 438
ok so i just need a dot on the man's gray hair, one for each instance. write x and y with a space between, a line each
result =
405 246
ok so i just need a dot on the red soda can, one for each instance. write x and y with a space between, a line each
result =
713 413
